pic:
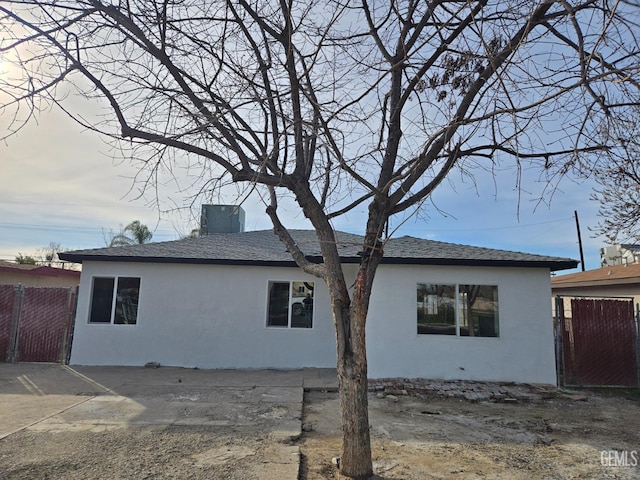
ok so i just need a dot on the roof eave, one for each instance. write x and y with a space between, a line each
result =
174 260
552 266
597 283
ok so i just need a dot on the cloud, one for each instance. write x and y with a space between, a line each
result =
60 184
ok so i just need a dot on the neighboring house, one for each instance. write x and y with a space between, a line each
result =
237 300
621 254
37 275
608 281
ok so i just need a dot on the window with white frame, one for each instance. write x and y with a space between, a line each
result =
290 304
114 300
458 309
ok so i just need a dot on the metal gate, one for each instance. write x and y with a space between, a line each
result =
597 341
36 323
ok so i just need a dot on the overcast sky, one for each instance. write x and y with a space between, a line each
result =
60 184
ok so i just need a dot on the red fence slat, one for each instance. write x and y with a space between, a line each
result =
599 342
7 300
43 322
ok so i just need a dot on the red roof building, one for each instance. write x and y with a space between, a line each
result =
608 281
37 275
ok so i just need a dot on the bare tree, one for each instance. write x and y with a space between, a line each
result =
618 177
48 255
339 104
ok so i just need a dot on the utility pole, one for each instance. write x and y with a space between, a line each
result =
575 212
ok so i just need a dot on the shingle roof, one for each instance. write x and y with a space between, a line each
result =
612 275
264 248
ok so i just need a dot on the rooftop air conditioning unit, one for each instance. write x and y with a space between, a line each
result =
221 219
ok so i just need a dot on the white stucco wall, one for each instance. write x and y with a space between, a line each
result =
215 317
202 316
524 351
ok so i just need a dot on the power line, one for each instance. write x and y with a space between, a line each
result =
66 228
71 228
29 226
75 204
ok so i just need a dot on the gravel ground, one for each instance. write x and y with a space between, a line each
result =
414 438
438 437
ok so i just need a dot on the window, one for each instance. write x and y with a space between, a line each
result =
117 305
437 309
290 304
463 310
478 310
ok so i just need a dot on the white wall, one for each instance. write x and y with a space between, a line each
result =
202 316
215 317
524 351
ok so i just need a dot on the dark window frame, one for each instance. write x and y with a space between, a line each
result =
290 304
114 300
476 310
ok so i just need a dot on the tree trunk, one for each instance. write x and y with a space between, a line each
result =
355 460
350 315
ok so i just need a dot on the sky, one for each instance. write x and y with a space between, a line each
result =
61 184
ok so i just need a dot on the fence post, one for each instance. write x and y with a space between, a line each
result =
637 325
559 336
14 334
65 333
73 308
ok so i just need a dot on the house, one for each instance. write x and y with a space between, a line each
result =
622 280
620 254
237 300
37 275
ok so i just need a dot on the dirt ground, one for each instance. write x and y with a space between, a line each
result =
560 437
413 438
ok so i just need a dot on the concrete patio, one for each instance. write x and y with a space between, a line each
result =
54 398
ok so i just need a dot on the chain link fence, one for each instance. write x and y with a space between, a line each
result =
36 323
597 341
